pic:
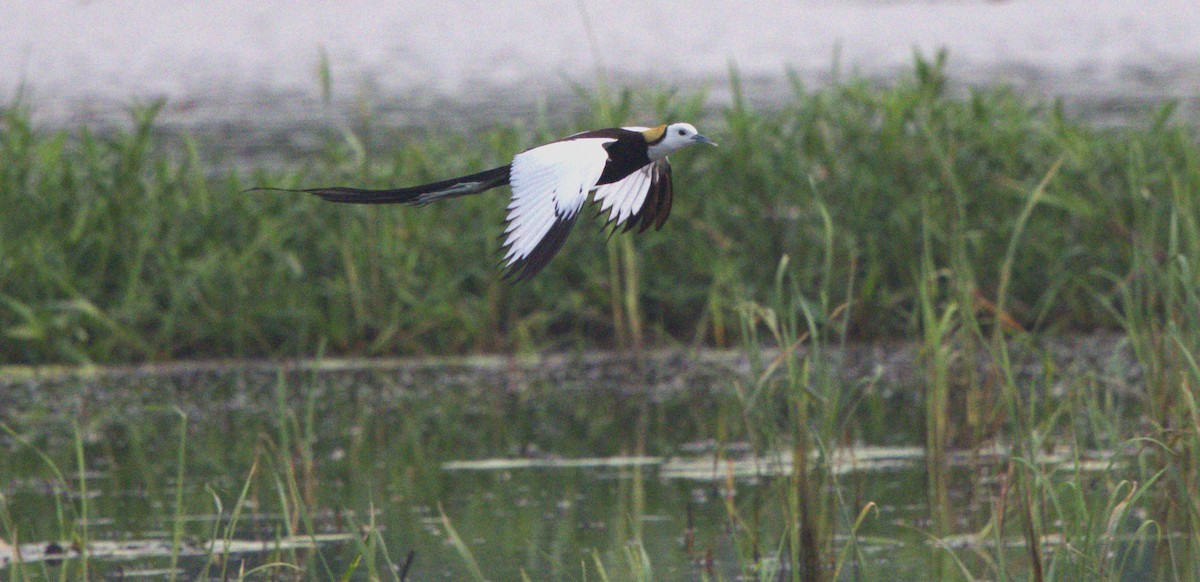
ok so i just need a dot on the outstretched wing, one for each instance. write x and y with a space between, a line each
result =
550 184
643 197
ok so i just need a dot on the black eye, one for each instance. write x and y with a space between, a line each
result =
682 132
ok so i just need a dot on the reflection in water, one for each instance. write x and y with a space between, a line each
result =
318 469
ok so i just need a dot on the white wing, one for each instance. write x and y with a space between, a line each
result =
550 184
628 198
624 197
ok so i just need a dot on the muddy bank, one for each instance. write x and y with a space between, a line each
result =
894 369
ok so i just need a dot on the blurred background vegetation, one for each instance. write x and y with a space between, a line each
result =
115 248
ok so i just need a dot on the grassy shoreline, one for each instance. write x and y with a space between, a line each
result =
117 251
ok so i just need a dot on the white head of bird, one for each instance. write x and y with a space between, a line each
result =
665 140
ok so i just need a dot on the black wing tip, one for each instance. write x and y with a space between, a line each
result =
522 270
517 274
537 259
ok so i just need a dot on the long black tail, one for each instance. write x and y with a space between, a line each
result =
416 195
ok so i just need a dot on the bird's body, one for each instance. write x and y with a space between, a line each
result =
626 168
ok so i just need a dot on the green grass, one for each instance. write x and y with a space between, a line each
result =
118 249
1031 520
971 226
1132 521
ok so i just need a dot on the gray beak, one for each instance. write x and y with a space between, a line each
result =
701 139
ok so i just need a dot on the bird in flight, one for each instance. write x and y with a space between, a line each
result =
626 168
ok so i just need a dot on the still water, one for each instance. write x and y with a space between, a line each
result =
554 471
